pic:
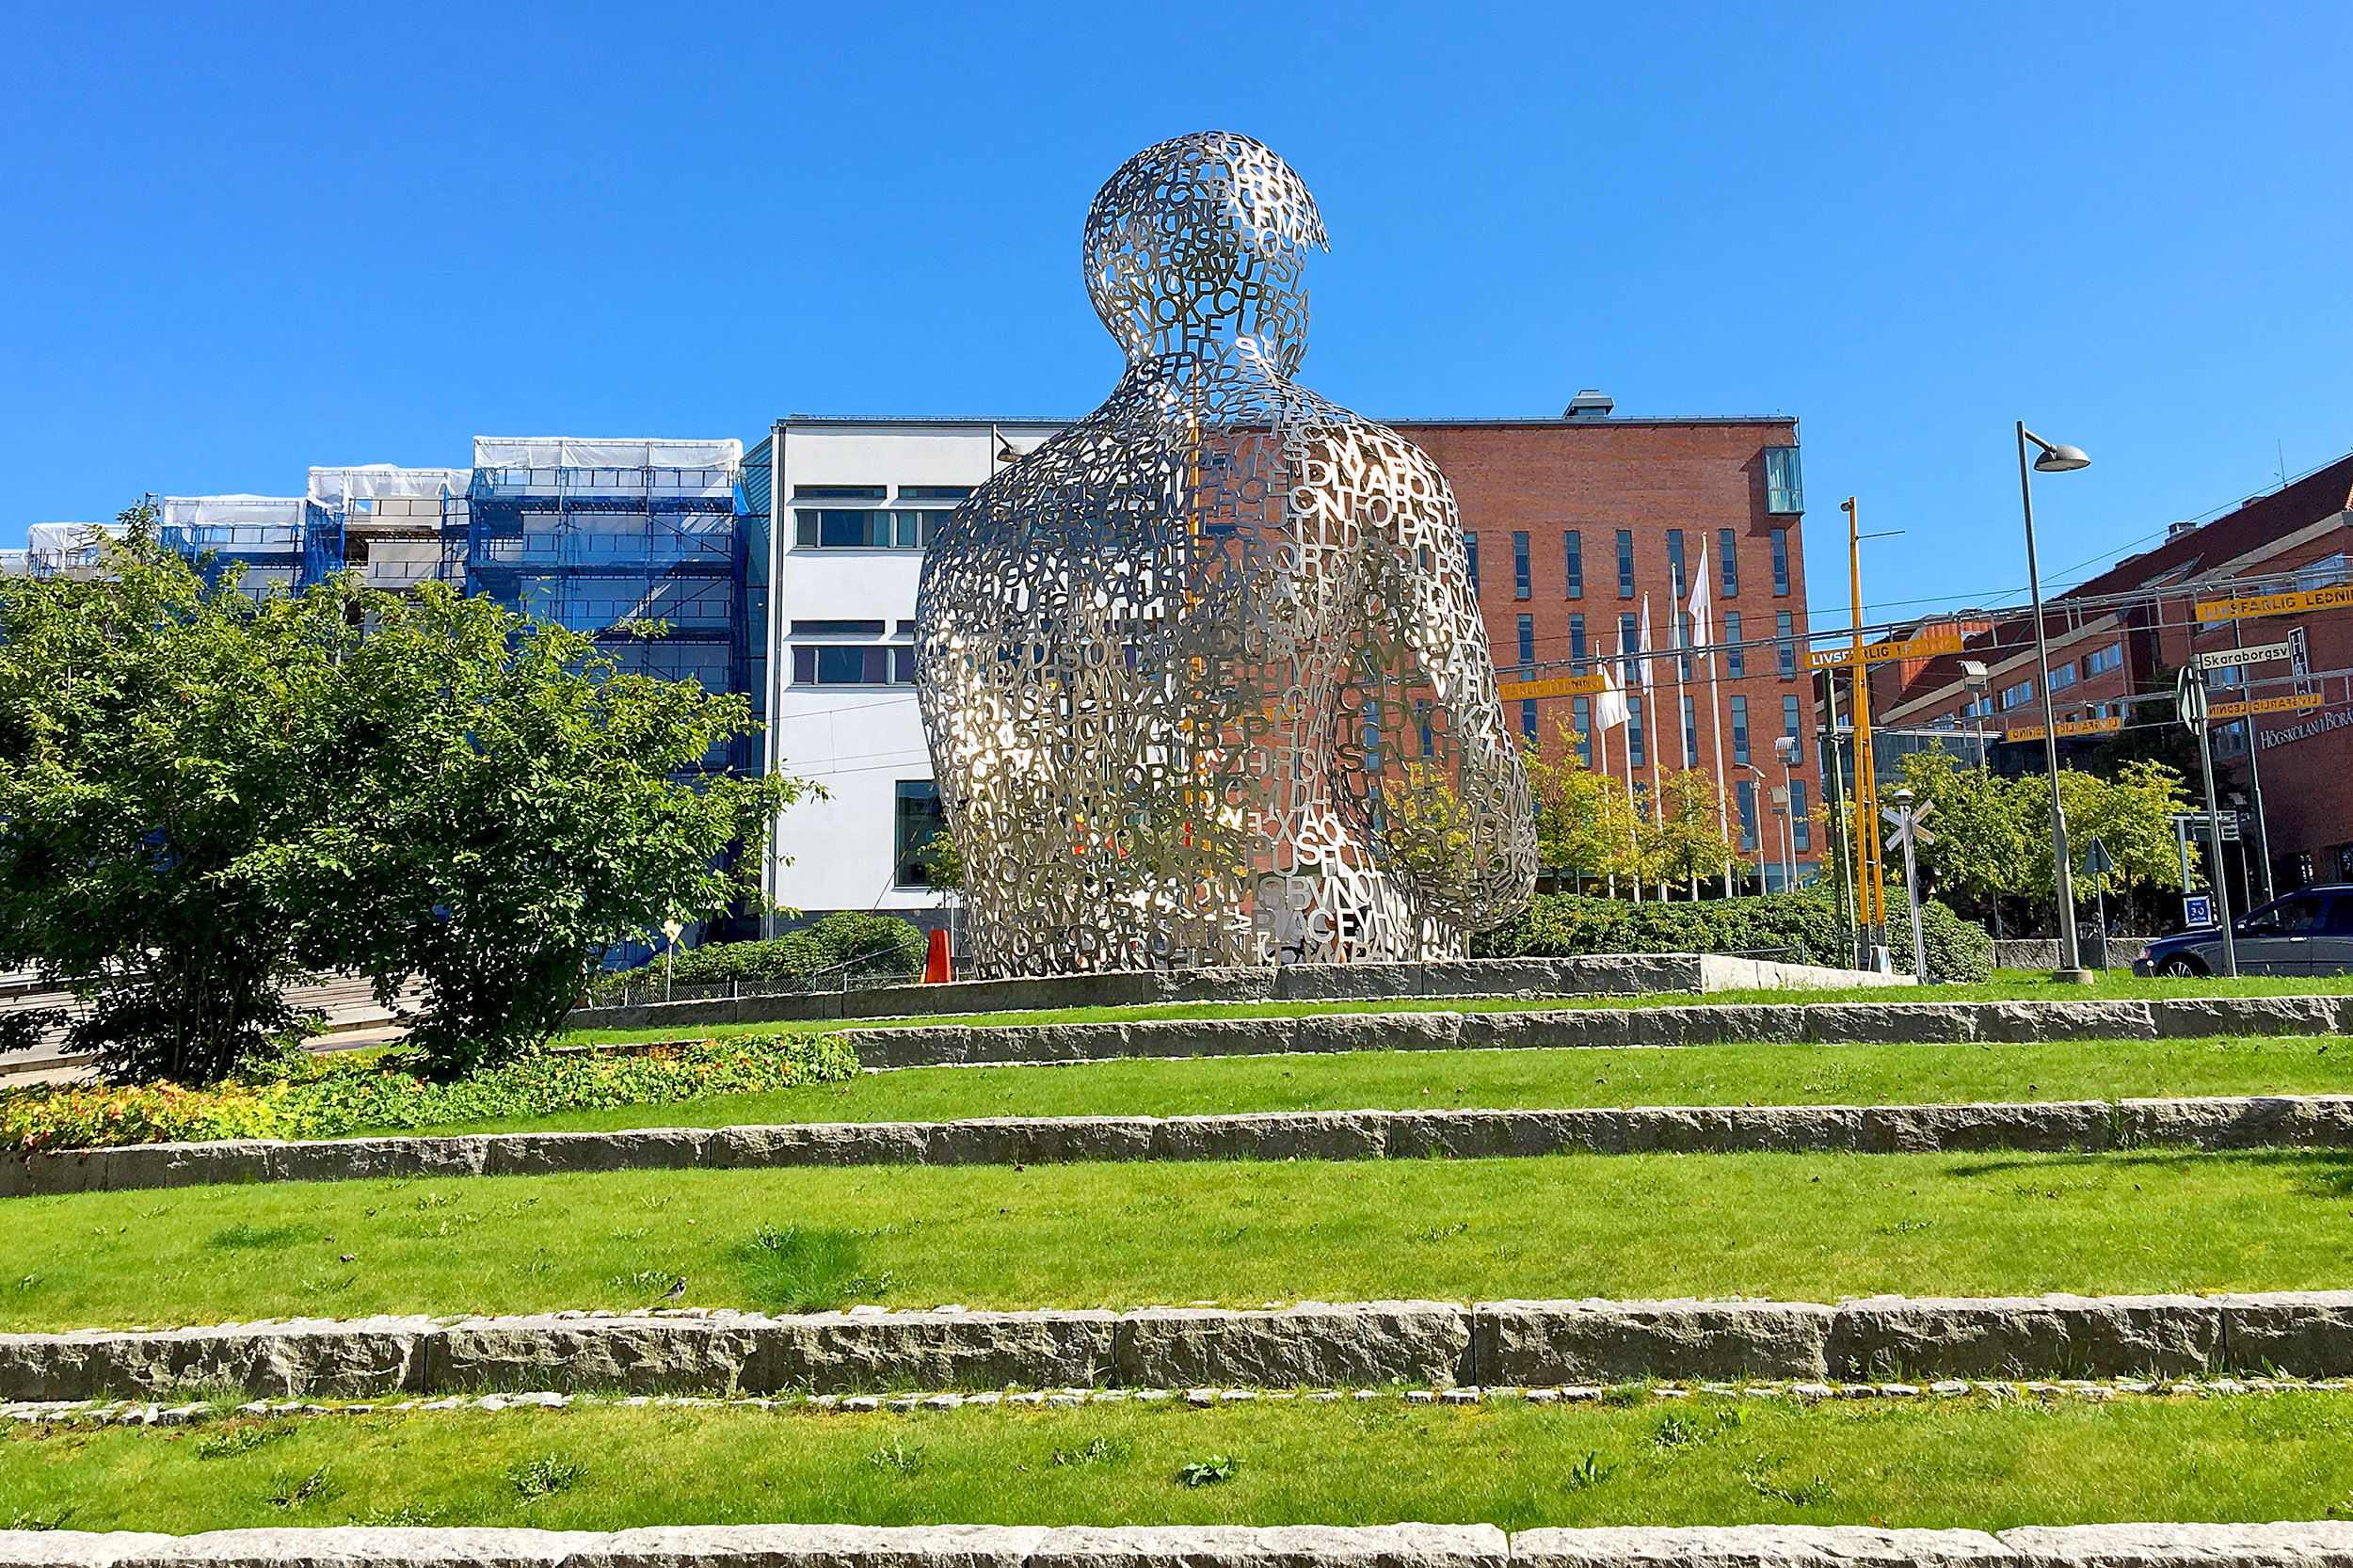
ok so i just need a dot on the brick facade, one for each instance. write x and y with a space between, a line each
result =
2117 640
1597 478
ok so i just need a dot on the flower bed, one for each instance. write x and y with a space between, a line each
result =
330 1096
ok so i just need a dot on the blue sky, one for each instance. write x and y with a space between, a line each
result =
241 242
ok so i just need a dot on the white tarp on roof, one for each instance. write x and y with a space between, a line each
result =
53 539
233 511
384 481
553 452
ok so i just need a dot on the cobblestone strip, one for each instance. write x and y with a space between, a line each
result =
2311 1121
2314 1545
1436 1345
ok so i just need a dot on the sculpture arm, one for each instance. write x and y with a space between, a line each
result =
1488 867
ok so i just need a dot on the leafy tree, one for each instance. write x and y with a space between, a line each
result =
515 806
2132 816
210 796
1690 842
157 737
1983 844
1585 821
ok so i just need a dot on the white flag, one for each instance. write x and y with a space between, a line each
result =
1610 709
1700 606
1644 645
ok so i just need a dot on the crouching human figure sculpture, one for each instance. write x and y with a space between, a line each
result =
1203 676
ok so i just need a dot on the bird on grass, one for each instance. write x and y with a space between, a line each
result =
675 1291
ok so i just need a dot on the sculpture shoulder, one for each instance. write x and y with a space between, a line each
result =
1387 461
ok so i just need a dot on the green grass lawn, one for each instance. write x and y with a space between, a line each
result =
1794 1226
1965 1463
1684 1075
2006 985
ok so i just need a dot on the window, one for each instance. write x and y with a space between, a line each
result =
920 817
935 492
1780 563
1627 639
1675 564
2326 573
1577 643
2105 660
1527 719
1739 729
1736 658
1799 823
864 529
1728 552
1626 564
1785 648
1470 556
1683 635
1691 732
1785 496
2062 677
837 629
1789 716
2018 696
1745 792
2288 915
852 664
1634 732
1527 641
839 492
1573 554
1520 574
1582 719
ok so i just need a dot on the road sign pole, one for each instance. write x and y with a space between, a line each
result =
2189 706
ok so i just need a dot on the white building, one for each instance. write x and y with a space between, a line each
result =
856 501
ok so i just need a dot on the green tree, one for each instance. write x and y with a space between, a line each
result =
158 736
515 806
2132 816
1585 821
1983 840
1689 842
210 796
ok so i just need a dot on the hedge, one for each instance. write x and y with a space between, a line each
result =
1803 927
868 945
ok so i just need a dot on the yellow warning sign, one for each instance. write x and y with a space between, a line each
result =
1881 653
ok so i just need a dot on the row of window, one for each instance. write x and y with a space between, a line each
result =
827 528
2062 677
1581 725
1629 636
1727 564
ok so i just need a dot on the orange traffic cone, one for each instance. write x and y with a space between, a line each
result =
938 968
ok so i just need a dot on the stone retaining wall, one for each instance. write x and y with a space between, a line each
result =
1922 1022
1428 1344
2316 1545
1595 974
2300 1121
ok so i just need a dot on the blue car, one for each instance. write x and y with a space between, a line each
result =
2309 931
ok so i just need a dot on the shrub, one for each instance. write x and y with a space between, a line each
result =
1806 925
868 945
1960 951
332 1095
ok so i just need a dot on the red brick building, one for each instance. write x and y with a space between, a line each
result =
2116 641
1576 521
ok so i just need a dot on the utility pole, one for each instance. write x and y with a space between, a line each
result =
2190 705
1871 888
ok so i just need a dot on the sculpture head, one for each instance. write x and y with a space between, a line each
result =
1198 242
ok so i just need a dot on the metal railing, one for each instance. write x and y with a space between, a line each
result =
841 976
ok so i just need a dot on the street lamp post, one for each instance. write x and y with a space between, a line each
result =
1786 747
2054 460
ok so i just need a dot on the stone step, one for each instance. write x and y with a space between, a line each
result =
2220 1122
2324 1543
1433 1345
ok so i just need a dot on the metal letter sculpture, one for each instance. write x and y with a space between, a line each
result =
1203 676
